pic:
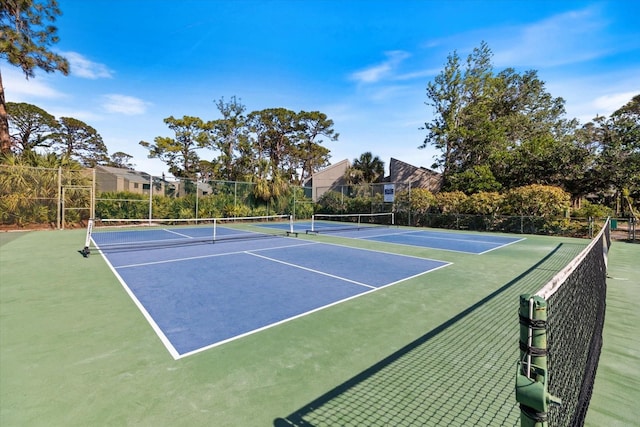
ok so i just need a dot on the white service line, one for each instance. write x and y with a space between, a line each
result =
312 270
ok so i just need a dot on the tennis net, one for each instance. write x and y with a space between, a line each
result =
322 223
574 301
123 234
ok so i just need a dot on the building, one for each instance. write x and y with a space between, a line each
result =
404 175
330 178
110 179
413 176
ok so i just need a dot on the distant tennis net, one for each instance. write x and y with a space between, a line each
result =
123 234
326 223
561 338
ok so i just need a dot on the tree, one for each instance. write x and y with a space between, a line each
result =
77 140
180 153
445 95
32 126
616 167
229 135
25 39
367 168
274 134
29 187
308 153
121 160
474 180
499 121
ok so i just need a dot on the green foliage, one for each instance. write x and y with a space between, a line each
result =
179 153
331 202
505 123
30 192
30 126
122 205
365 169
484 203
26 37
451 202
419 200
478 178
77 140
537 200
592 210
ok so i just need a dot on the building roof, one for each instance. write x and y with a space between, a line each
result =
129 174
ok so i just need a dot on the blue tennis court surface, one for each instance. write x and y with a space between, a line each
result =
199 296
473 243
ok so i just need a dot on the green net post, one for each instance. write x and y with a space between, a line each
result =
531 378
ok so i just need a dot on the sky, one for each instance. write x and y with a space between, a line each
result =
365 64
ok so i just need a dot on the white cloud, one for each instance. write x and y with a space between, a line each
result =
378 72
429 72
19 89
565 38
88 117
597 94
124 104
609 103
82 67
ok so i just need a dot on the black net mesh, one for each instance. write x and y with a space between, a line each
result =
459 374
574 327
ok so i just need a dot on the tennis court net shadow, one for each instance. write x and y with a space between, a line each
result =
459 374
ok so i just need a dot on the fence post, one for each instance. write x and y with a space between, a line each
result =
60 201
150 198
92 213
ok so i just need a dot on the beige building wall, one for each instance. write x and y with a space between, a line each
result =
328 179
417 177
110 179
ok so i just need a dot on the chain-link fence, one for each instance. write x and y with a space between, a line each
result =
52 197
362 198
128 194
59 198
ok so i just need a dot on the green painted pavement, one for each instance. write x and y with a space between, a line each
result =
75 350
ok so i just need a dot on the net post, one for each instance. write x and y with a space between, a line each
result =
313 220
87 241
291 224
532 374
215 227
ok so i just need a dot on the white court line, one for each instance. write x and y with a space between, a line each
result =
176 355
502 246
312 270
409 245
179 234
163 338
418 235
298 316
142 264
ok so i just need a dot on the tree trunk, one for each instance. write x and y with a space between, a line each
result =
5 139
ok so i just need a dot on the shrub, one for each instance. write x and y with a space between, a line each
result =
537 200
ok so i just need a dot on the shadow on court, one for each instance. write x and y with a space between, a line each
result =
461 373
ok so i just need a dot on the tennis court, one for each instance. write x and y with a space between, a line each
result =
457 242
437 348
199 296
351 227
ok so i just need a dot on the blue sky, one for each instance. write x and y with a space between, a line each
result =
365 64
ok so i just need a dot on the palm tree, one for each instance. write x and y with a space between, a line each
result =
367 168
29 192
